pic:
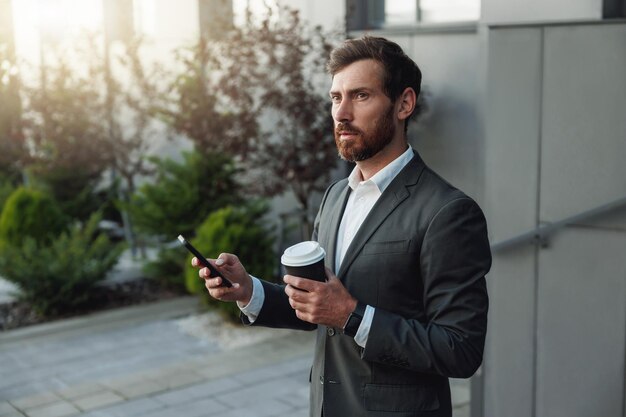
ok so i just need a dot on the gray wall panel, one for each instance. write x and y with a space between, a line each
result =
582 324
512 146
513 108
509 352
584 123
450 136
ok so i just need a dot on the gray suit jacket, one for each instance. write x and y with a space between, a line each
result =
420 258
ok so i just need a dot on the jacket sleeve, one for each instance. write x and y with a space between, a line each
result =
449 338
276 310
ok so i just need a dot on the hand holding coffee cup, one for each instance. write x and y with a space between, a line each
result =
306 260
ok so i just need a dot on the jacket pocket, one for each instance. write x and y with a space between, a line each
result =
396 246
398 398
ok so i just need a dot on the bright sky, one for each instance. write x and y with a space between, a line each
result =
37 22
44 22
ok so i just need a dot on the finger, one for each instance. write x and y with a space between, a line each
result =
300 283
298 306
195 262
205 273
213 282
226 259
304 316
295 293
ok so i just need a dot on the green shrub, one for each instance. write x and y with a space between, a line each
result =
6 189
59 275
168 269
234 230
30 213
76 195
183 194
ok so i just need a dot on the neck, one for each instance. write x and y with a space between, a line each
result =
371 166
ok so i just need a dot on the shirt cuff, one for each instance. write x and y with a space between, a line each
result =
253 308
364 328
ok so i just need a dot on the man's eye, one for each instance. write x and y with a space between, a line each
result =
335 99
361 95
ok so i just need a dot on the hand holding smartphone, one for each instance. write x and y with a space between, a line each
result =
204 261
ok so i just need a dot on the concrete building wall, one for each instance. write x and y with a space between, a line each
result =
556 140
513 120
529 120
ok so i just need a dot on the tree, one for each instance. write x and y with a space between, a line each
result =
253 94
271 66
193 104
66 133
13 151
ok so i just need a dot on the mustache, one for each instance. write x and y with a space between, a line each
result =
344 127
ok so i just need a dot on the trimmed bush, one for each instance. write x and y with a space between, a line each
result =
183 194
58 275
234 230
6 189
168 269
30 213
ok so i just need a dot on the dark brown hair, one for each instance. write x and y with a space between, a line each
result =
399 71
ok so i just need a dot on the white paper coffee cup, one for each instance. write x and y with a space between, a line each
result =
305 259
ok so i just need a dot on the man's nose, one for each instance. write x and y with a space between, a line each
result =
342 111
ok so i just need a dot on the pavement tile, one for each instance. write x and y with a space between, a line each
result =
12 414
58 409
81 390
140 389
36 400
258 375
182 379
5 407
123 380
304 412
199 391
131 408
298 398
98 400
7 410
200 408
263 409
259 393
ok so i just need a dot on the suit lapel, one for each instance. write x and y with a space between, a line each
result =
335 209
391 198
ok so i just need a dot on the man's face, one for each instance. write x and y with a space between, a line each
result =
363 114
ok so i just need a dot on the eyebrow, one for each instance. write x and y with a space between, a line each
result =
351 91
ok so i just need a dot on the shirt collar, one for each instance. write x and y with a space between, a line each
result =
382 178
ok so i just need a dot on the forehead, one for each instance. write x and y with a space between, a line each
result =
366 73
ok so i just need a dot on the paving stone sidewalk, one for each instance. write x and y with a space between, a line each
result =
138 362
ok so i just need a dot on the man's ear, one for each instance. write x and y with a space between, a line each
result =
407 103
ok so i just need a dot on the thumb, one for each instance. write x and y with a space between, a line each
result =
226 259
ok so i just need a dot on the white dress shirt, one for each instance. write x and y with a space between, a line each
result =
360 202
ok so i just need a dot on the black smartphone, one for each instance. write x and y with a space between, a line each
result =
203 260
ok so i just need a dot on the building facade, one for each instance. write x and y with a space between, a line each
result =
526 114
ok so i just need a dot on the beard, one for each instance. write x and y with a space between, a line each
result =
367 143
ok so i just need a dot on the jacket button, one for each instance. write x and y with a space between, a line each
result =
330 331
322 380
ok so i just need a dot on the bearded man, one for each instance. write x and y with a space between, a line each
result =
404 306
